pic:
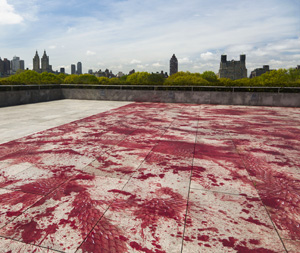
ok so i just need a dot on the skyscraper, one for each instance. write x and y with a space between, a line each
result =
16 64
45 62
1 67
22 64
36 62
173 65
79 68
73 69
6 66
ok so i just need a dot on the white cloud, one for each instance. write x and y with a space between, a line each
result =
89 53
208 56
135 61
8 14
157 64
52 47
184 60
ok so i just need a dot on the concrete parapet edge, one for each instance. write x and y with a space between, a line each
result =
18 97
10 98
193 97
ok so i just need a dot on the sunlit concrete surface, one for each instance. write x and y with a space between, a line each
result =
153 177
21 120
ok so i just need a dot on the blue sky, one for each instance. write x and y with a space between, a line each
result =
131 34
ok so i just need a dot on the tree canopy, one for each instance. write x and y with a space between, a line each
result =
279 78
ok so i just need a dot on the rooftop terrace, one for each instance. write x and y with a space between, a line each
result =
98 176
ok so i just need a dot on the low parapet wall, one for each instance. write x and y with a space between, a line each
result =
194 97
283 97
19 95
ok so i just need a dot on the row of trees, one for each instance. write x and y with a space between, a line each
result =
281 77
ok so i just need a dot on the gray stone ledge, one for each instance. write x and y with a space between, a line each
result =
16 96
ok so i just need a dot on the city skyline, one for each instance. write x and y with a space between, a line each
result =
126 35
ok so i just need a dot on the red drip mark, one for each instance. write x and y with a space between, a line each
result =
253 241
13 214
123 238
84 177
188 239
161 175
240 248
146 176
212 178
137 246
120 130
228 112
124 170
105 163
70 188
229 243
120 192
209 229
204 238
257 222
177 169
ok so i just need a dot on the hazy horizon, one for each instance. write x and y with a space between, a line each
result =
128 34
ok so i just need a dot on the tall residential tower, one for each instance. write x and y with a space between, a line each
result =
173 65
36 62
79 68
45 62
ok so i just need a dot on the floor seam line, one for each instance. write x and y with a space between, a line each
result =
191 175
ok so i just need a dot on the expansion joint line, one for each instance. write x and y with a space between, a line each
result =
189 188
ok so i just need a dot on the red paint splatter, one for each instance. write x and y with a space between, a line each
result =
120 192
240 248
145 176
253 241
229 242
204 238
279 192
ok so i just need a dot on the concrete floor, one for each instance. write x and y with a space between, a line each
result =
21 120
149 177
